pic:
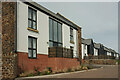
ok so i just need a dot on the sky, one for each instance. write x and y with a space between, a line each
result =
98 20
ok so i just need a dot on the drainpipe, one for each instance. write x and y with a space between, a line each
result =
15 27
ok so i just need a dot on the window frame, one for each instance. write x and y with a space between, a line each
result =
53 40
32 20
32 49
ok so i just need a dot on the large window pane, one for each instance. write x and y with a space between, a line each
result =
71 34
71 38
50 44
71 31
34 43
34 53
29 53
59 32
50 29
29 23
55 31
34 15
34 25
29 13
29 43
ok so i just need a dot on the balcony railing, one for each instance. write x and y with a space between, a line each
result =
60 52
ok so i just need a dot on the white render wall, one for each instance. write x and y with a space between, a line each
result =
108 54
43 28
66 39
95 52
84 50
23 33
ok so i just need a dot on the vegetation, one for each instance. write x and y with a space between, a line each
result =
118 62
49 71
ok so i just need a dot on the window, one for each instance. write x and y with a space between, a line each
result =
55 33
32 47
32 18
71 34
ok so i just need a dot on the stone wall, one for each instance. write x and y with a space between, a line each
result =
9 67
8 40
8 27
100 61
79 45
0 40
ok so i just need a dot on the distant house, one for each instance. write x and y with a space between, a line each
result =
87 47
107 51
117 55
98 49
114 54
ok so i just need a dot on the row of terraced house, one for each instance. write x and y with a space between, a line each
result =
33 36
93 50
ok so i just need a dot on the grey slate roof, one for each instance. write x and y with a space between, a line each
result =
86 41
50 13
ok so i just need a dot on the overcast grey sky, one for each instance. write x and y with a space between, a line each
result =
99 20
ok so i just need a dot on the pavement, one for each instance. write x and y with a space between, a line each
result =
106 71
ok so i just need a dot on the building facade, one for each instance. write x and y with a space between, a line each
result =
87 47
38 38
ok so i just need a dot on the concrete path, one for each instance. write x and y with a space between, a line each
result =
110 71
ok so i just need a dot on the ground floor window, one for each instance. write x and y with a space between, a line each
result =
32 47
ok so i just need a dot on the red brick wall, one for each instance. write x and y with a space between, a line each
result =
43 61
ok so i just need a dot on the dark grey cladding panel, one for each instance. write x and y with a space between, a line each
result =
50 13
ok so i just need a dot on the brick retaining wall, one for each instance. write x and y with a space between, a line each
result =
43 61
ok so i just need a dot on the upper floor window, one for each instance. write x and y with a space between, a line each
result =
71 34
32 18
32 47
55 33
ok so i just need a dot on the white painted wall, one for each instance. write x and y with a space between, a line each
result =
84 50
108 54
43 35
117 56
23 33
66 39
95 52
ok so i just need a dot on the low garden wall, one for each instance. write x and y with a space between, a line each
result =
100 61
